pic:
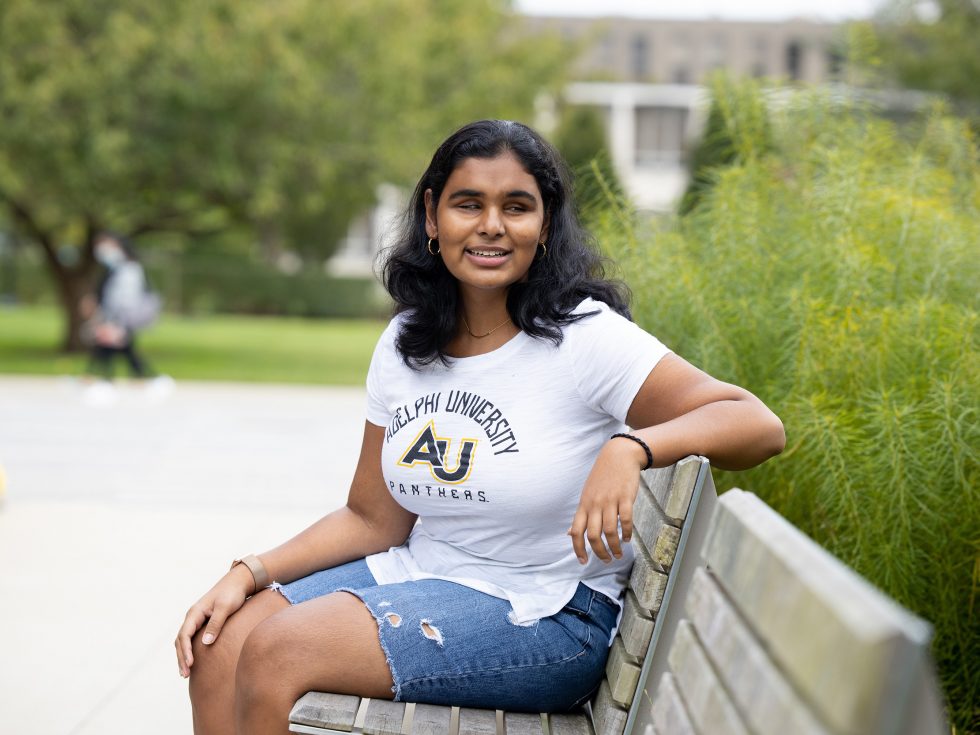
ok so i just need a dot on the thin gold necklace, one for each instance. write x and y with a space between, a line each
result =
481 336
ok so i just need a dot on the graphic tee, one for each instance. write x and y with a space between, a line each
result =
492 451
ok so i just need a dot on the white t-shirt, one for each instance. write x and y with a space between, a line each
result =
492 452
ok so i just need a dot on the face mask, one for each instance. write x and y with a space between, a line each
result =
109 257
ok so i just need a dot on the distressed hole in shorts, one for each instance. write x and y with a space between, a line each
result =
394 620
384 603
431 632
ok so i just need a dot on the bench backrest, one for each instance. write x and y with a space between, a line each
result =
778 636
670 503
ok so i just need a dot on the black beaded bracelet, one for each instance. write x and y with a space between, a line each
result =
642 443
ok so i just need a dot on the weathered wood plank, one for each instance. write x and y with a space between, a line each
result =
636 627
334 711
384 717
673 487
609 717
522 723
647 580
708 703
848 649
477 721
574 724
655 531
766 701
431 719
622 672
669 714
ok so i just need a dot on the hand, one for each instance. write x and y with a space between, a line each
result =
110 335
221 601
607 501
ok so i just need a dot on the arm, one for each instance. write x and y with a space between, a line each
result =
679 410
370 522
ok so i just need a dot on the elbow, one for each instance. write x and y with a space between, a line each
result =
774 437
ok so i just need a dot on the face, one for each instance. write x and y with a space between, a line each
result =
108 252
488 221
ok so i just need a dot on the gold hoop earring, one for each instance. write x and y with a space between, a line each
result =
544 249
431 251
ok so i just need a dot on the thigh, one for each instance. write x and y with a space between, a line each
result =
450 644
329 643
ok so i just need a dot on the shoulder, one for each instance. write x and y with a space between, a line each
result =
595 316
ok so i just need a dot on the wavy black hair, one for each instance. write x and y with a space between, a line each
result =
540 305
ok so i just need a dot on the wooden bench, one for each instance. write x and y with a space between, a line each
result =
734 622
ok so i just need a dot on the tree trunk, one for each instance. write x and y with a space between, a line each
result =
73 285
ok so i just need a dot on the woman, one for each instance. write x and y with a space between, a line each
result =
497 399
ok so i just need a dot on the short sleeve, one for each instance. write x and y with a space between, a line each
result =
610 357
378 412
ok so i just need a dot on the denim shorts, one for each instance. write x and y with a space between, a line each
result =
449 644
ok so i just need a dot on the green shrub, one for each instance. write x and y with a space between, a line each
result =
835 274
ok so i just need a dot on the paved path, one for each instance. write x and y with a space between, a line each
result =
116 518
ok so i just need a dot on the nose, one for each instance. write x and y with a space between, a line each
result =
491 224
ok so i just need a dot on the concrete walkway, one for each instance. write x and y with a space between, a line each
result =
116 518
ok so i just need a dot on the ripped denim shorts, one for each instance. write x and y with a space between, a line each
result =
450 644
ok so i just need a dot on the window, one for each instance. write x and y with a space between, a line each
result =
660 135
640 53
794 59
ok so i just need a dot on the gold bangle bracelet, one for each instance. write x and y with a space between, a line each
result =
259 576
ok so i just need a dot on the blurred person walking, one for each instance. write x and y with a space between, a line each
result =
123 305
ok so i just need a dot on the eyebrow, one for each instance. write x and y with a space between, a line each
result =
515 194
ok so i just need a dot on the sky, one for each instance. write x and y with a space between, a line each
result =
830 10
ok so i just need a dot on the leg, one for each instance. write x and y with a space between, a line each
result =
100 362
137 365
212 680
328 644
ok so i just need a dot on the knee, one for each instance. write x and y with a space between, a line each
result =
259 674
213 666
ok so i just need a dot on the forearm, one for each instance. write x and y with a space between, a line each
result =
733 434
337 538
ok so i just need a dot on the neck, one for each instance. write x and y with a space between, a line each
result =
486 314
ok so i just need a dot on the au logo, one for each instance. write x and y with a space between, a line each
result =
433 450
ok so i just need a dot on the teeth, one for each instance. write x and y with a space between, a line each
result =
482 253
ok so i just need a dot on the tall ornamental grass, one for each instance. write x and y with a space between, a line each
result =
832 269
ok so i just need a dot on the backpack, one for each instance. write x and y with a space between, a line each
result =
145 311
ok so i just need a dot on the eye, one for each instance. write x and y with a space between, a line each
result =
473 206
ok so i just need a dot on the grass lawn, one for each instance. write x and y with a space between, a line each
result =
237 348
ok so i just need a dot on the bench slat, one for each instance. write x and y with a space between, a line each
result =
849 650
636 627
384 717
609 717
563 724
765 699
673 487
647 580
431 719
622 672
708 703
522 723
657 534
477 721
669 714
334 711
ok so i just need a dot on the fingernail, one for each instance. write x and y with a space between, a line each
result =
208 639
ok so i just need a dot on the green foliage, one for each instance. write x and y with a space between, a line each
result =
835 274
940 54
737 129
194 116
581 139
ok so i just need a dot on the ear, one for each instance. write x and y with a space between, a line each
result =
431 229
543 237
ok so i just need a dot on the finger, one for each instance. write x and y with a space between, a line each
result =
610 529
185 656
576 531
214 626
593 533
626 520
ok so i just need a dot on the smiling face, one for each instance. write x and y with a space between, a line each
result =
488 221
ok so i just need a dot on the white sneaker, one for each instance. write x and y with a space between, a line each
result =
158 388
100 393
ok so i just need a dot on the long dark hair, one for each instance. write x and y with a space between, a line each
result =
572 269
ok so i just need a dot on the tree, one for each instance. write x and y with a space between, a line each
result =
195 116
933 46
581 138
